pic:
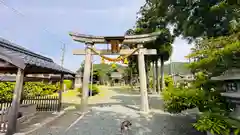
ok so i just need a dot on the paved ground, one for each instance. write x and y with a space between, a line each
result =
30 123
110 110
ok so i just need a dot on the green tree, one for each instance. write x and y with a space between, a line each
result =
215 25
196 18
148 23
212 57
215 55
81 69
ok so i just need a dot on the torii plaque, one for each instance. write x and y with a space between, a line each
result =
115 42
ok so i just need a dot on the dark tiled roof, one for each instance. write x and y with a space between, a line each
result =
30 58
7 78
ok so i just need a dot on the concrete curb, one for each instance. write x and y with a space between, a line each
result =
47 121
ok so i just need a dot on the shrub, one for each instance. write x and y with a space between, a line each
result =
38 89
168 81
95 90
217 124
179 99
30 89
68 84
6 91
151 82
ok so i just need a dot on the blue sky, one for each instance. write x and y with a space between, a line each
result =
43 25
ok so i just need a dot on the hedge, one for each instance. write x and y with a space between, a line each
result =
180 99
68 84
30 89
95 90
167 79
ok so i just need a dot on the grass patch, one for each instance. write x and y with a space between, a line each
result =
69 93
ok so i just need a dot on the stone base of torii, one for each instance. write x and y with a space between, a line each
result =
139 40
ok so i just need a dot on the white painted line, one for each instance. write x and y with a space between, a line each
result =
75 122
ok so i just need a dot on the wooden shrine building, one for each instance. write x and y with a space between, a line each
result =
17 60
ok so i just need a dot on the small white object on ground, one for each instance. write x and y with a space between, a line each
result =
70 108
37 124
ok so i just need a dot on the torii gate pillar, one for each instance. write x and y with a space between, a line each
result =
86 77
143 82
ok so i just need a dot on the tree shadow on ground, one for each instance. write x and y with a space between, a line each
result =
127 98
106 120
122 90
154 102
131 91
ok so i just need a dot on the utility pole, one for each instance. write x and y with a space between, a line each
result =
62 62
63 54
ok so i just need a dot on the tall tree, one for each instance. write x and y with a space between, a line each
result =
196 18
213 56
148 23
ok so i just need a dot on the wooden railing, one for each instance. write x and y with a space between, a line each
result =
44 103
3 116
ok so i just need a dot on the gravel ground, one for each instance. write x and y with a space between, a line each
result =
106 121
109 111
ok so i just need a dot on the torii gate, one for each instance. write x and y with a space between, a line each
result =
115 50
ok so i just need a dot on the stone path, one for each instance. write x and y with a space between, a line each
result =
110 110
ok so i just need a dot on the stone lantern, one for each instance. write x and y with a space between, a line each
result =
231 88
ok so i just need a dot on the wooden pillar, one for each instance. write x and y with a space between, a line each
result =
154 77
143 82
73 82
86 77
157 76
162 74
60 93
12 118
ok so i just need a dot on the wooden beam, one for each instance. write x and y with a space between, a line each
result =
60 93
4 64
12 118
122 52
73 83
